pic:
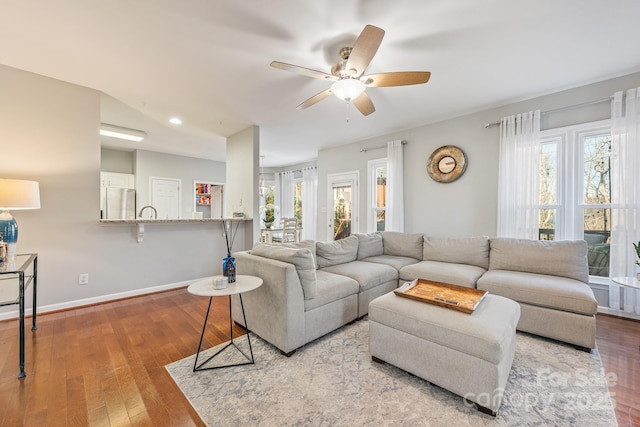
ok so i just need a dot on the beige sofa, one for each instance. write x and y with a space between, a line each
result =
312 288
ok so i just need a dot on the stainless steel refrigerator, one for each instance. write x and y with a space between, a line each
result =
120 203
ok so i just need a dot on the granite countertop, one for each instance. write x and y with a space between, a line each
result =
170 221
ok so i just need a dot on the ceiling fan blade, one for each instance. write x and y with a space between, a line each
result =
364 50
400 78
364 104
303 71
314 99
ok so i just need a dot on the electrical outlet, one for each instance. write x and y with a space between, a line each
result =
83 279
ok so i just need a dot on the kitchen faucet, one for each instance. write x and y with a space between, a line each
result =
155 212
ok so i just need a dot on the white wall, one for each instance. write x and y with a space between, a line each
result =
49 133
241 191
468 206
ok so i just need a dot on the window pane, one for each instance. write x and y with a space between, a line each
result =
549 174
380 214
342 204
596 152
381 187
547 224
597 233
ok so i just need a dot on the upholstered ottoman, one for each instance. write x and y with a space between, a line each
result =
467 354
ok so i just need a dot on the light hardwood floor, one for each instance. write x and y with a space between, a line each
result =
104 365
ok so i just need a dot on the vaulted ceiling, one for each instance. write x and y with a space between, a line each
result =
207 62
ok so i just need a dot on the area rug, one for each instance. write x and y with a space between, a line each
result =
333 382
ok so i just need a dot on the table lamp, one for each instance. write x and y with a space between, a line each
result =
15 194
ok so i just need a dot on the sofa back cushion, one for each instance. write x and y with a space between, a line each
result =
337 252
403 244
301 258
457 250
369 245
562 258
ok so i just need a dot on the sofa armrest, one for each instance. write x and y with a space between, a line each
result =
274 311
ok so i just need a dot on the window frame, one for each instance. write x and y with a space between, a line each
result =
570 204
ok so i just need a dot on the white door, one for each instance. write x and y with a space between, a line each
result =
165 197
343 205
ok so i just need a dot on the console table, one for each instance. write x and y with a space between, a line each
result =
20 267
206 287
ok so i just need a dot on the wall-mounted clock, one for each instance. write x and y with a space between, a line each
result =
446 164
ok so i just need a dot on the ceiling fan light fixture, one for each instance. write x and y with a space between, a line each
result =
348 89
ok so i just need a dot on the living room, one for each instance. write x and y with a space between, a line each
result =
50 134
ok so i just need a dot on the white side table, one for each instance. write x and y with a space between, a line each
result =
206 287
629 282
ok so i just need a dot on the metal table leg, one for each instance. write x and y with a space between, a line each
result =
250 359
22 374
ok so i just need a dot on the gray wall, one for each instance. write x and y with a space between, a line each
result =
49 133
468 206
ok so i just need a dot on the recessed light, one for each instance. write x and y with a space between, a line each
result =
175 121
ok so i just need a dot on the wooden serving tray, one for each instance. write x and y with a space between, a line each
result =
455 297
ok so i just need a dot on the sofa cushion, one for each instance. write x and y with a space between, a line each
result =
554 292
563 258
402 244
331 287
368 275
369 245
445 272
336 252
302 259
396 262
457 250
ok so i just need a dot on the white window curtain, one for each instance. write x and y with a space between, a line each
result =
277 198
518 176
309 200
286 194
394 216
625 196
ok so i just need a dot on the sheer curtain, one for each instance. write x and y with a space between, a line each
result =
518 176
394 216
277 198
286 194
625 195
309 201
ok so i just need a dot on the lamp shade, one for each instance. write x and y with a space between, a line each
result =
17 194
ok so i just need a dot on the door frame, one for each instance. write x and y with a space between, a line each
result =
352 178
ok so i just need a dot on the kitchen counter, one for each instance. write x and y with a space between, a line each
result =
141 222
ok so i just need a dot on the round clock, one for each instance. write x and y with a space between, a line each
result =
446 164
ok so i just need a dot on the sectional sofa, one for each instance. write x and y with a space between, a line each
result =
312 288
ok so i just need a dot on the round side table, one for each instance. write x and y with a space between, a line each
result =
206 288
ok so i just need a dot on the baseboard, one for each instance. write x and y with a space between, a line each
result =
10 315
618 313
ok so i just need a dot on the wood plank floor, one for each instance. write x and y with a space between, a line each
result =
104 365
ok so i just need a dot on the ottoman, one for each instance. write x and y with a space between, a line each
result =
467 354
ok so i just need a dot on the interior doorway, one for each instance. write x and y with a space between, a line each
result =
165 196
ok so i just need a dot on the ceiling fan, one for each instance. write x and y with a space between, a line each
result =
349 83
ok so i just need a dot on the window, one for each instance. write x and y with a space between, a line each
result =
575 192
377 194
